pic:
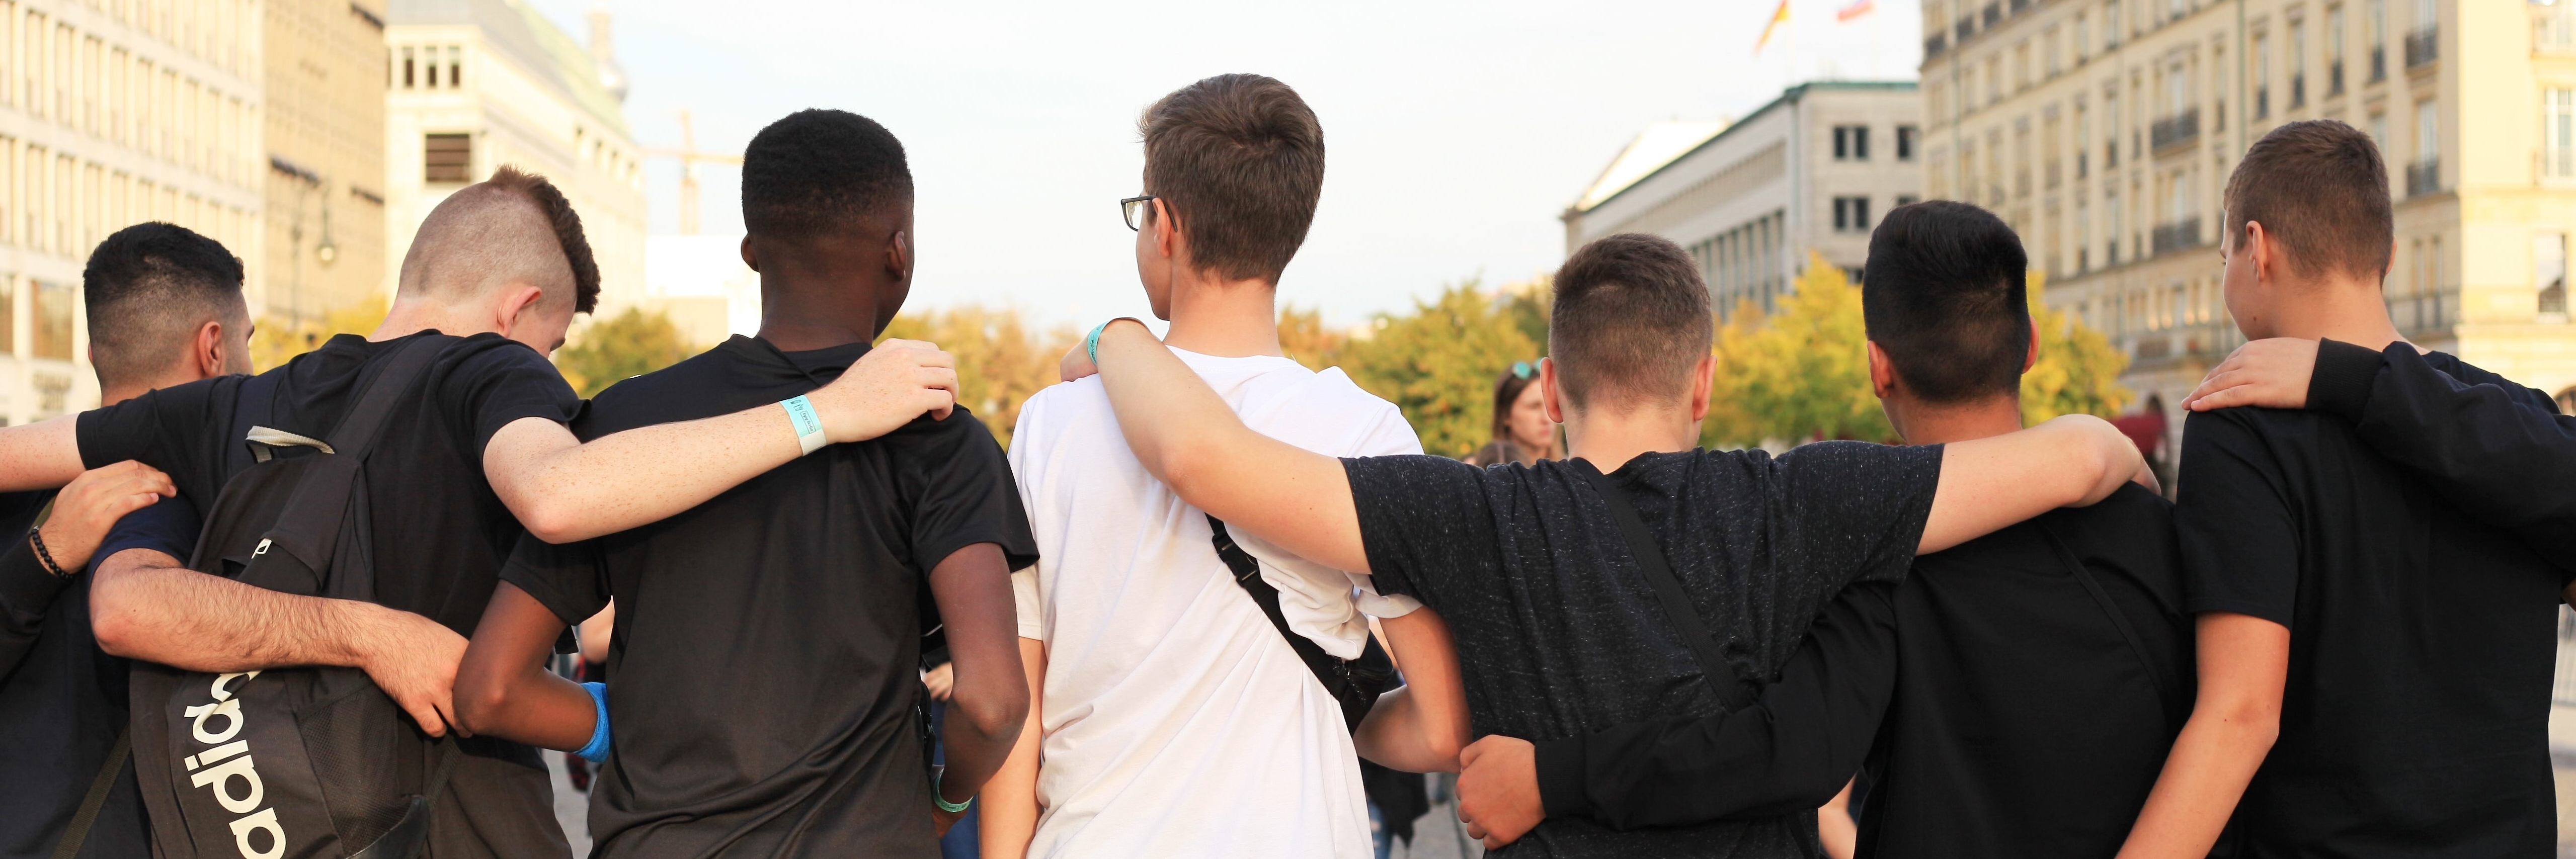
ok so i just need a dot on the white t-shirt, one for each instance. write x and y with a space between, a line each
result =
1178 722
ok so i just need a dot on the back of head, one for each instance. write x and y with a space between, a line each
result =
1239 160
1630 322
515 227
1943 295
2321 193
821 169
148 288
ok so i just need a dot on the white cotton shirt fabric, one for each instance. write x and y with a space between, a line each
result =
1177 721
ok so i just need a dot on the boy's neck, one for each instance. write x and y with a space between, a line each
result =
1927 423
796 326
1224 318
1609 439
411 316
816 301
2338 307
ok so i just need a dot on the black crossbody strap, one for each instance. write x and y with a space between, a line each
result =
77 833
1733 690
2119 620
1352 685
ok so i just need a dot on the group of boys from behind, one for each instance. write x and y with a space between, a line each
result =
2338 642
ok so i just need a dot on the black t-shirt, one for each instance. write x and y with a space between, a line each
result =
440 533
2028 720
63 706
1558 632
2415 720
767 641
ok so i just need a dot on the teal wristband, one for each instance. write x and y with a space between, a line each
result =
809 426
944 804
1091 344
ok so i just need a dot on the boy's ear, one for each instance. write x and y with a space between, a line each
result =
1882 373
1167 231
1550 395
1703 386
748 257
899 257
2030 357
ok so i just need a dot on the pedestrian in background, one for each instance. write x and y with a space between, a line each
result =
1522 432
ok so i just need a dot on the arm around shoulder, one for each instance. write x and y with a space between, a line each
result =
1990 483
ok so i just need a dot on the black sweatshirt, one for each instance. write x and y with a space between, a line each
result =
2484 448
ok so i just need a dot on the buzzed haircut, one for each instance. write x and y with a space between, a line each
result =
515 226
148 288
1944 295
1239 161
1631 319
818 169
2320 191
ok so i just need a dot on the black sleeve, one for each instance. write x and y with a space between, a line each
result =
1426 525
502 382
2504 459
570 580
1854 511
961 490
2240 545
1792 750
27 591
179 430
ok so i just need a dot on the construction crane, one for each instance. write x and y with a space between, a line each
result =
690 157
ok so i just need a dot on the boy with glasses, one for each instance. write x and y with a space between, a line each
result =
1171 717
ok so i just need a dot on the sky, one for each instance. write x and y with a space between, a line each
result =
1455 133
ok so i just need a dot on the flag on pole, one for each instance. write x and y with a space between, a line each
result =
1778 17
1855 10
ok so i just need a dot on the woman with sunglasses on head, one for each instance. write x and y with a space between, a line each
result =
1522 432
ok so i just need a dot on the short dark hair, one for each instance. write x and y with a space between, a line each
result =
567 226
1944 295
148 287
2320 190
1239 161
816 169
1631 318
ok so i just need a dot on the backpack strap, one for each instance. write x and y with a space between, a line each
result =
2119 619
1352 683
1668 589
77 832
309 525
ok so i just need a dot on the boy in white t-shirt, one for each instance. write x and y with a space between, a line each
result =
1169 716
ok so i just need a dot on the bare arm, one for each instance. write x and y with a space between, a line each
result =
1010 797
1422 725
40 455
503 688
2244 661
991 702
144 605
1989 483
1186 437
564 490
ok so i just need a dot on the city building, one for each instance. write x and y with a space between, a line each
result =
114 112
476 84
2104 131
326 156
1812 171
703 284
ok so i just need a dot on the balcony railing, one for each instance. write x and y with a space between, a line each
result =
2378 63
2018 5
1933 47
2421 47
2181 129
2298 90
1993 14
1967 27
2262 102
2424 177
2334 79
2177 235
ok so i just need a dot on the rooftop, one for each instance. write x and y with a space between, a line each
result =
517 29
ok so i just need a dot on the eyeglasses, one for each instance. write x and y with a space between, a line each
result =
1134 208
1524 370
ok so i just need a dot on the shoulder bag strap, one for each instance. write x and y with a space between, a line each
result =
359 429
1668 588
2119 619
77 833
1338 675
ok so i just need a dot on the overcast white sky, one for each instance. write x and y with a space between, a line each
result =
1455 133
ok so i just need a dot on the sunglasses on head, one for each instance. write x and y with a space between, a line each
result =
1524 370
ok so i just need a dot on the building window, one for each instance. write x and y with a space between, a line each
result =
2549 273
1851 143
1851 214
455 66
53 320
2298 64
409 65
2424 175
448 158
2558 133
1905 139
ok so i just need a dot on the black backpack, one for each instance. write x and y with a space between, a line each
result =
291 763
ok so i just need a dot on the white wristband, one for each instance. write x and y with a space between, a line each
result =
809 426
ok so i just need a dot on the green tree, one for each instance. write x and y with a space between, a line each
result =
2078 371
629 344
1002 359
1438 364
277 339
